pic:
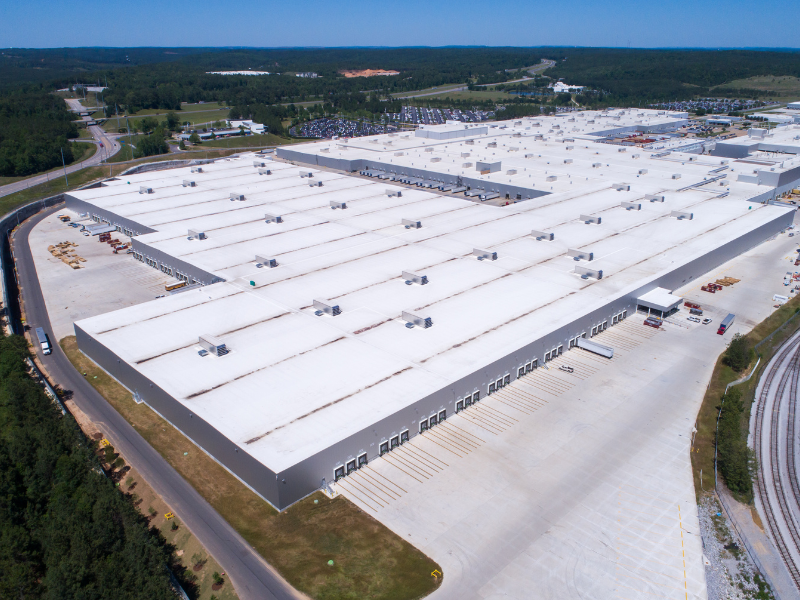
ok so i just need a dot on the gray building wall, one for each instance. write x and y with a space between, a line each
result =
171 265
298 481
105 216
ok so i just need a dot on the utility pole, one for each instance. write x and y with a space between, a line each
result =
64 164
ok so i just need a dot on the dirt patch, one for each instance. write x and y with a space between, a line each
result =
368 73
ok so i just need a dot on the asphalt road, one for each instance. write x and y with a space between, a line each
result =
252 577
110 146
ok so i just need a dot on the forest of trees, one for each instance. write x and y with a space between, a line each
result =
34 128
66 531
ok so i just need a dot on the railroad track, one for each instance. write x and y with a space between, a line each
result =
789 376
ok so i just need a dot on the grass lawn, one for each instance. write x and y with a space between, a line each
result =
440 88
82 150
194 117
369 560
250 141
481 96
703 448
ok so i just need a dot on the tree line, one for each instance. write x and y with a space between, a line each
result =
66 532
34 128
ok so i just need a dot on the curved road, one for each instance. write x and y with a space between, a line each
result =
252 577
110 146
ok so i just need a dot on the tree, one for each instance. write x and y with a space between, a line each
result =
172 121
182 146
739 353
194 138
700 112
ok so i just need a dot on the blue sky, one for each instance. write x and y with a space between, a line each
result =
267 23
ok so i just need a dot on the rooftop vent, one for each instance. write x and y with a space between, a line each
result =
197 169
413 278
587 273
654 197
580 254
335 205
304 174
273 218
543 235
484 254
259 163
416 321
681 215
194 234
264 172
621 187
325 308
589 219
631 205
265 261
145 190
410 224
235 196
188 183
213 345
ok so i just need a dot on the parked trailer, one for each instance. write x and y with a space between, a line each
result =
43 341
595 347
726 323
489 196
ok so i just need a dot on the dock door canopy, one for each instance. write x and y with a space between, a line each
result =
659 302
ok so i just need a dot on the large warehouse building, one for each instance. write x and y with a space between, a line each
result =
331 316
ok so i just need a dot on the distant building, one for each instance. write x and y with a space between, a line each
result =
793 105
238 73
560 87
307 75
250 126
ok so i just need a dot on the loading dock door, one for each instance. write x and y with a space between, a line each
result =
403 437
338 473
395 442
384 448
362 460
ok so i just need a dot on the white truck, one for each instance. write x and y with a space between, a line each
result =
46 349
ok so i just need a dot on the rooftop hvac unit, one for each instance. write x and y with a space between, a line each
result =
265 261
621 187
264 172
304 174
543 235
587 273
680 215
392 193
410 224
235 196
567 161
511 172
465 154
428 149
654 197
484 254
259 163
335 205
188 183
634 156
596 165
513 149
642 171
491 145
325 308
315 184
589 219
414 278
551 178
676 175
213 345
622 149
538 136
197 169
399 153
145 190
470 142
631 205
415 321
570 148
194 234
436 159
466 165
580 254
491 167
273 218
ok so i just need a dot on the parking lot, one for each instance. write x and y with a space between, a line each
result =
575 484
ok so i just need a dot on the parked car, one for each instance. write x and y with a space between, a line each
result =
706 321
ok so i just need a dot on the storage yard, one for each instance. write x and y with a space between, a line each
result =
343 315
